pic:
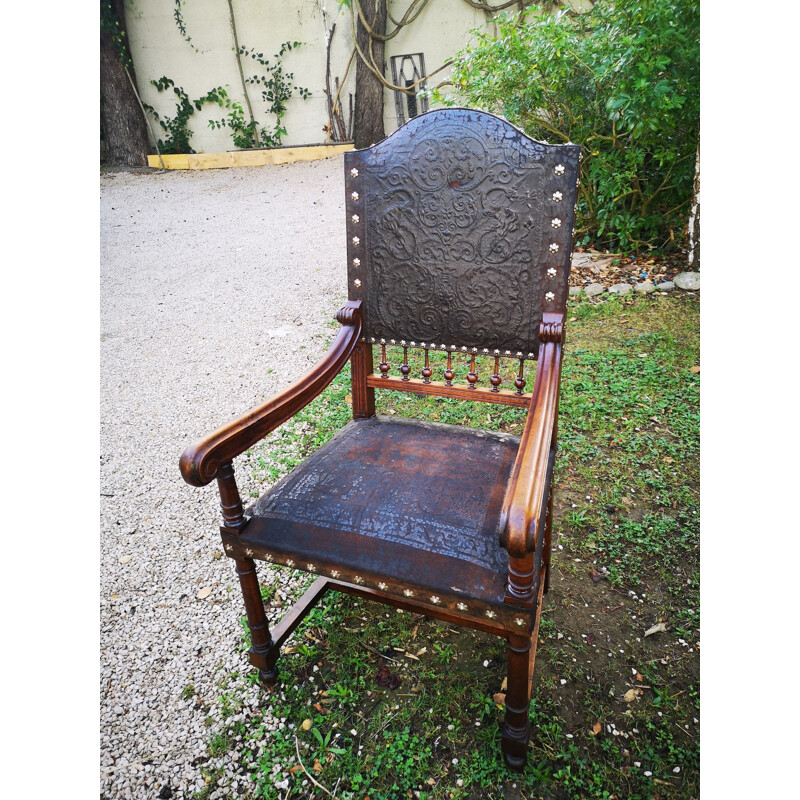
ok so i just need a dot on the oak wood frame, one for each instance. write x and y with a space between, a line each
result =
525 529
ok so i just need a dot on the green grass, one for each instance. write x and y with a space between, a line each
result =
629 438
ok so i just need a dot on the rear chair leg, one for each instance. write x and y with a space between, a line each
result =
263 652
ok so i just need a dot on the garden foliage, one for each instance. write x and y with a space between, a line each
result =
621 80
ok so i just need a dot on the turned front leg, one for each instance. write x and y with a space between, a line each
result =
263 653
516 729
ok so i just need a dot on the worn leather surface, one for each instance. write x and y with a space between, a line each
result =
404 500
460 231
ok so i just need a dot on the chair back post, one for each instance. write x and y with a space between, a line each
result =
230 500
363 396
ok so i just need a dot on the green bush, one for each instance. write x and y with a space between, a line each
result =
621 80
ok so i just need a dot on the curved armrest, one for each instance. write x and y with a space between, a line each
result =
524 505
201 461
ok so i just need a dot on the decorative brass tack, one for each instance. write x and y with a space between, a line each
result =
435 600
491 614
519 621
382 586
249 552
556 223
462 607
549 296
408 593
552 272
354 172
269 557
358 579
357 282
554 247
556 197
311 568
560 169
355 218
229 547
354 195
357 241
335 573
290 563
356 262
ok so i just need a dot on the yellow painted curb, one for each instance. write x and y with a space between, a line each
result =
250 158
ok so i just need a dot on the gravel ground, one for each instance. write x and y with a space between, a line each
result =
211 282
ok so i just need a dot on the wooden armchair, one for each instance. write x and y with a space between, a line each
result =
459 231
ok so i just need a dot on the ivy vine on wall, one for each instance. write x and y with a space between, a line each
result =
277 88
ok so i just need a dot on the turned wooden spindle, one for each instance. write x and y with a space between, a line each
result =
448 373
519 381
472 375
230 501
384 365
496 380
405 369
426 370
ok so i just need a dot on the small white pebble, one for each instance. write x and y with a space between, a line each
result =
676 770
637 763
450 727
460 782
647 773
455 761
563 681
485 663
569 736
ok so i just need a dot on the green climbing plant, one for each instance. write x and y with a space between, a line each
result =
276 89
178 138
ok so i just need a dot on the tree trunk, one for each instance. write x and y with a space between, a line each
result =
368 123
124 126
694 218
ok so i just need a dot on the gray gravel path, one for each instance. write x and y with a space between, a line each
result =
210 283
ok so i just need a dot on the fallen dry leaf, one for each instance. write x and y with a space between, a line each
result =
295 768
317 765
694 369
349 400
307 724
320 708
204 592
631 695
659 627
504 685
431 782
499 698
596 728
387 679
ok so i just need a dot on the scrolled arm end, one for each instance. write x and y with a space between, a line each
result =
197 468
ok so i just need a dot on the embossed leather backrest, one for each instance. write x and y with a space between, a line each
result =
459 230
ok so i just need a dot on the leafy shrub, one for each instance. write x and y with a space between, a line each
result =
621 80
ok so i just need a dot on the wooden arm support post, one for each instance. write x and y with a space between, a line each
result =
201 461
525 507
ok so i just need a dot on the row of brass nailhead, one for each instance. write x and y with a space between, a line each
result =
334 573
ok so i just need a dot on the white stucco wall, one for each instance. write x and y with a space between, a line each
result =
158 50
